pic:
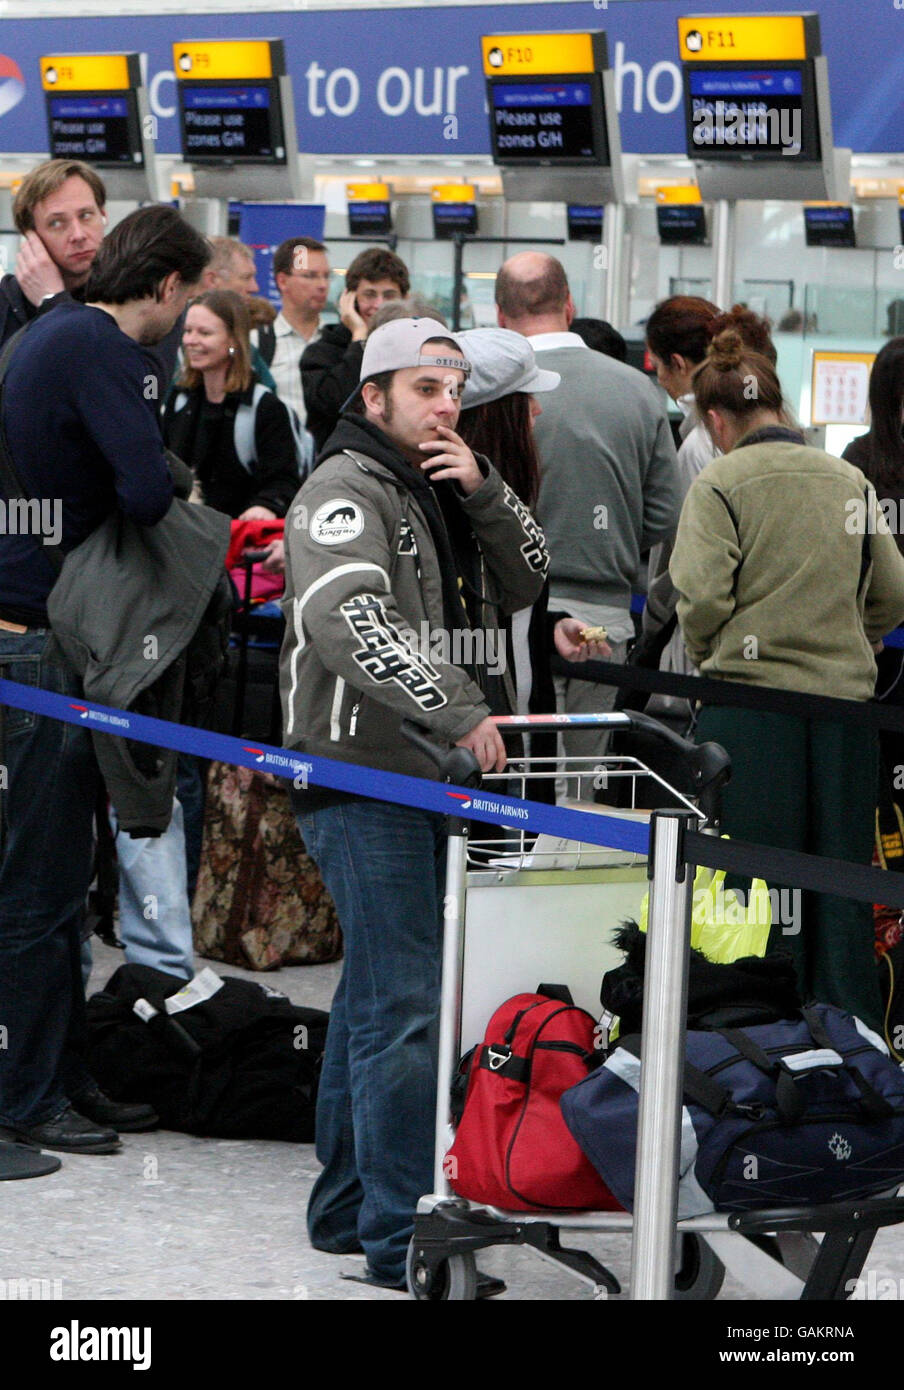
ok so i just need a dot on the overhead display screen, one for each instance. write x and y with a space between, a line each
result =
585 222
681 224
98 128
759 113
548 121
829 226
453 217
239 122
369 218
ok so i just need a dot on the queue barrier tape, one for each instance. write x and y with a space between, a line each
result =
466 802
838 877
767 699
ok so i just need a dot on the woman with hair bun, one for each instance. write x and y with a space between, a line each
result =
779 585
679 332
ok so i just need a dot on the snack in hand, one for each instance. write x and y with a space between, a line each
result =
593 634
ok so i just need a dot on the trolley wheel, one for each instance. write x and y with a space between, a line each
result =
454 1280
700 1274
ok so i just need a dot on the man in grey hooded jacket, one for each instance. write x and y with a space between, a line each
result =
400 546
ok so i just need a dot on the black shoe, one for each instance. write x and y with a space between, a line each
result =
68 1132
126 1117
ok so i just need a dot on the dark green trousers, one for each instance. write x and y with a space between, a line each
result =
808 785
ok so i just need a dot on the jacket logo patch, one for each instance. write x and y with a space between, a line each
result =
383 656
336 521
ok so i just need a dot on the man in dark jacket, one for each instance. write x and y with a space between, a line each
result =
59 209
331 366
410 549
84 439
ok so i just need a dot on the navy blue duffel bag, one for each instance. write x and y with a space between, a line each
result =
790 1113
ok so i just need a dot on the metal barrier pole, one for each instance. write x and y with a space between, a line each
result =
662 1060
450 1015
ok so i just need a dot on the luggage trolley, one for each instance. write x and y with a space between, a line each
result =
551 924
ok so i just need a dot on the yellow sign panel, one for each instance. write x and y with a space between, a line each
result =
366 192
452 193
507 55
839 391
742 38
678 193
85 72
222 59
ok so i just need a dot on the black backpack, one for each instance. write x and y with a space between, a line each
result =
240 1064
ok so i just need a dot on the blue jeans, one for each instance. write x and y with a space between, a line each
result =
154 916
45 873
385 868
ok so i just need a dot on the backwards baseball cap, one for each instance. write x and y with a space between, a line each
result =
502 362
400 343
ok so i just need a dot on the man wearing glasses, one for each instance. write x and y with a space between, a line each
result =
331 367
302 273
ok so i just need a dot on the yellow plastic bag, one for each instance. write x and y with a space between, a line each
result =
722 928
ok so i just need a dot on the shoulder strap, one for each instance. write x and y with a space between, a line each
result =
244 429
9 477
699 1088
266 342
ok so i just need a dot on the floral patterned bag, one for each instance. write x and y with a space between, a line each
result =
260 901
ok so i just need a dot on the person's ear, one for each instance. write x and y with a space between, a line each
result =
374 399
678 364
500 318
571 312
716 427
168 287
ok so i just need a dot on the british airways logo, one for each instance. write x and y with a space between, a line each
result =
12 84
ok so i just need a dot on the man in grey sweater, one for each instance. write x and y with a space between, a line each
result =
609 486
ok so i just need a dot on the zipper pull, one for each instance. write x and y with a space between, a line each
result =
353 722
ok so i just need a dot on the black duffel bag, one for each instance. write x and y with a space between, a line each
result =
239 1063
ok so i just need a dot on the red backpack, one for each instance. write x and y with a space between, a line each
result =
512 1148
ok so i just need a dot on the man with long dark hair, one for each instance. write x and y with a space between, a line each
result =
81 428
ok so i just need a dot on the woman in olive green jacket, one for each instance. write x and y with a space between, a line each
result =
788 578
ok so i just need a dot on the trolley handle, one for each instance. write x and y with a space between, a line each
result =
456 765
708 763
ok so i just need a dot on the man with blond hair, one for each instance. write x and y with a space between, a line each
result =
59 210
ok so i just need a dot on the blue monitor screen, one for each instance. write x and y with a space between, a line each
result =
231 122
454 217
681 224
585 222
829 226
101 129
760 112
369 218
548 121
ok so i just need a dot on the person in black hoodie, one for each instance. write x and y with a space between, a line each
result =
396 533
331 366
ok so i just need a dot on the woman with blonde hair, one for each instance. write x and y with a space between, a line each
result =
235 434
776 588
